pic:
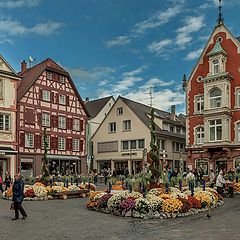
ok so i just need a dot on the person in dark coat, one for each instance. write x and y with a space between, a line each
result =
18 195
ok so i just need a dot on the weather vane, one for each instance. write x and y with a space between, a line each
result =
220 18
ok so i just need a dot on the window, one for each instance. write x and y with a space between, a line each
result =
1 89
46 95
107 147
48 142
125 145
238 131
141 143
76 143
176 147
127 125
162 145
5 122
62 99
46 119
76 125
215 66
215 98
171 128
199 135
29 140
62 122
215 130
178 130
133 144
120 111
62 79
112 127
238 98
49 76
61 143
199 104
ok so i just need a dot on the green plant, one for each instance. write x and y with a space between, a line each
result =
45 170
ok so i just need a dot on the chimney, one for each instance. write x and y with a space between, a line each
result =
23 66
173 112
87 99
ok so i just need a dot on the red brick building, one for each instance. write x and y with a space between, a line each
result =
48 99
213 104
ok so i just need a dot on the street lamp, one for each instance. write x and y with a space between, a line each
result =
164 159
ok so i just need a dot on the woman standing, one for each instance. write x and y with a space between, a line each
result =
8 181
18 195
1 182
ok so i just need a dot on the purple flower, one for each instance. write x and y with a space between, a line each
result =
102 202
127 204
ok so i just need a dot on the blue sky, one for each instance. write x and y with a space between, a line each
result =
115 47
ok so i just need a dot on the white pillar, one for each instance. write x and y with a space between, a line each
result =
130 166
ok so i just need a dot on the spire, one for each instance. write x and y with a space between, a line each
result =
220 18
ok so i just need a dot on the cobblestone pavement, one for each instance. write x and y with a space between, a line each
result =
69 219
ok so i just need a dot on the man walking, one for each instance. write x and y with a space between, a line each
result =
18 195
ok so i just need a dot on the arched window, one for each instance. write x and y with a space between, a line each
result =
215 98
1 89
199 135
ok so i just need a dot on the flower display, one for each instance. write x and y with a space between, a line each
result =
186 205
117 187
172 205
203 198
174 190
165 196
39 184
236 187
155 202
29 193
194 203
73 188
103 200
176 195
156 191
114 201
127 204
40 191
93 194
142 205
134 195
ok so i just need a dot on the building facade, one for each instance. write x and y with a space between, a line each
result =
213 104
123 135
48 100
8 108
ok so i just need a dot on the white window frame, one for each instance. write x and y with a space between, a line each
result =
215 126
237 104
119 111
46 95
76 124
200 104
29 140
76 145
62 79
215 66
62 99
61 143
49 75
112 127
238 131
1 89
46 119
62 122
127 125
199 135
6 122
48 142
139 144
215 100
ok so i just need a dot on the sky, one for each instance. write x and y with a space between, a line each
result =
115 47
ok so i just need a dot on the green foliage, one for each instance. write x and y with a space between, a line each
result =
45 170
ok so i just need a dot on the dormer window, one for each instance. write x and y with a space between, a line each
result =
215 66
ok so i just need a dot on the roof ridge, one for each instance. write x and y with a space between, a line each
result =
99 99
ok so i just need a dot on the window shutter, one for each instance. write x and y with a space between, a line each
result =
54 76
57 77
52 97
70 144
37 141
56 143
40 119
56 98
56 121
52 142
53 121
69 123
22 140
81 125
81 145
40 93
67 100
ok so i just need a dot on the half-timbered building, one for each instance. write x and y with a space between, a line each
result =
48 99
8 108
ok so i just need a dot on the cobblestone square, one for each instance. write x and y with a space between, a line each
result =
70 219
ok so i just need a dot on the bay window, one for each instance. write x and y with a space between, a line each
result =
215 98
215 127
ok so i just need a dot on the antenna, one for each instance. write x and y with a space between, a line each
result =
151 97
220 18
31 60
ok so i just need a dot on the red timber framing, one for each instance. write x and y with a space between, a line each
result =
48 99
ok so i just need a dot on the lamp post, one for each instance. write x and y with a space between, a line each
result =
145 160
181 162
164 159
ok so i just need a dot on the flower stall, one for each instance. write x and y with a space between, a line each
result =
156 204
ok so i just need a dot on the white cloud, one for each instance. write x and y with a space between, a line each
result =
156 82
191 25
19 3
194 54
118 41
103 82
93 75
11 28
159 47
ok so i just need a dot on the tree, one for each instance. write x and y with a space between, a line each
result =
155 166
45 170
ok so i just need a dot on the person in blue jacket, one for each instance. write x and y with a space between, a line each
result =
18 196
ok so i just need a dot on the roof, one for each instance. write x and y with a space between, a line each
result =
143 111
216 49
12 73
30 76
95 106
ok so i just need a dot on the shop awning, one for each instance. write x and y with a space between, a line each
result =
7 151
62 157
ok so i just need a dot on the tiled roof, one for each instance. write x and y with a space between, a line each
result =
143 111
216 49
30 76
95 106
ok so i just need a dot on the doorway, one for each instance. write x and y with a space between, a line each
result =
3 168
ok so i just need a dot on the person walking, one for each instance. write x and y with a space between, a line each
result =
1 183
211 178
18 195
8 181
220 182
